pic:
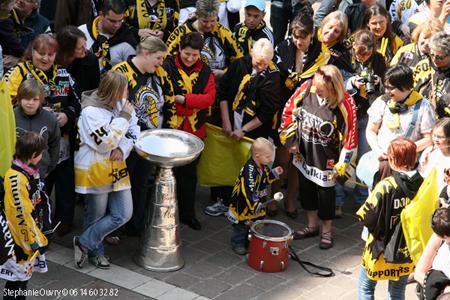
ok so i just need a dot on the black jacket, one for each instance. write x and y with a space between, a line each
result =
261 93
85 72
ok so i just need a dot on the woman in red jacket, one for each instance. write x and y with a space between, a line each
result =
195 91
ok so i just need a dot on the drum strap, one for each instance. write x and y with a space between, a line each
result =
327 272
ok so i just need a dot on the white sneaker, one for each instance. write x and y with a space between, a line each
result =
216 209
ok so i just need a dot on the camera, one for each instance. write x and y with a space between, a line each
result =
368 77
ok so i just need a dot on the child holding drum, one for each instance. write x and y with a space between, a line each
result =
249 197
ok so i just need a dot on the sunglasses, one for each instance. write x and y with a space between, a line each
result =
325 76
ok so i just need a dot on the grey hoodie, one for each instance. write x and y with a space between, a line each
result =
44 123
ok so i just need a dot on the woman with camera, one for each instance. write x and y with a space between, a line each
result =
319 128
364 86
401 111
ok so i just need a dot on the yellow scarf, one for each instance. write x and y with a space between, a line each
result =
40 76
144 17
188 83
242 34
104 45
241 96
410 101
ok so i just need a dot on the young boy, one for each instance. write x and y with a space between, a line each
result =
253 28
250 192
24 195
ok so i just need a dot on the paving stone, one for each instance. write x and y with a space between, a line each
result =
154 288
192 255
266 281
120 276
181 279
178 294
243 291
208 245
223 236
210 288
225 260
235 275
204 270
327 291
284 291
152 274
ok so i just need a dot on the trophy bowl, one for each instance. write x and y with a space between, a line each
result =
168 147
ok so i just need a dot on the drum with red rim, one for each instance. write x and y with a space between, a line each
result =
268 249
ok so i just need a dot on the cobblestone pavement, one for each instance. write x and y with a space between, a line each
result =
213 271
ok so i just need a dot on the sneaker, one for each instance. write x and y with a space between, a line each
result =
80 254
216 209
100 262
239 250
338 212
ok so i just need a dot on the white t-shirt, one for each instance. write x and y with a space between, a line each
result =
379 113
434 158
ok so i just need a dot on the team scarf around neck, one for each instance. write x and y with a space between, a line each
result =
101 44
244 34
241 99
41 76
397 108
143 15
188 83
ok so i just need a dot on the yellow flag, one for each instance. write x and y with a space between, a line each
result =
222 158
8 129
416 216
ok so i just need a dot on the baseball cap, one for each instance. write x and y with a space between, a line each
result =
259 4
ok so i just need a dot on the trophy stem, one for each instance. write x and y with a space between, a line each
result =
160 247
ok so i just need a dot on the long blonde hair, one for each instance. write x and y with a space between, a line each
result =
331 78
111 87
341 18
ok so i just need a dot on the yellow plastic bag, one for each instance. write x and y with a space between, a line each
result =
8 129
416 216
222 158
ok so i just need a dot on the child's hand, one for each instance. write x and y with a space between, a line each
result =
279 170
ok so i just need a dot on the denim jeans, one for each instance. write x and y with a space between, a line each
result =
104 214
366 287
239 237
359 193
280 15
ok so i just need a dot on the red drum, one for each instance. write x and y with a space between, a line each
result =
268 249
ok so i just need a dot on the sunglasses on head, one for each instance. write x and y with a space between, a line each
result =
325 76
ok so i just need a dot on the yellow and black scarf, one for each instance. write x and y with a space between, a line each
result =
244 35
145 20
48 83
397 108
101 45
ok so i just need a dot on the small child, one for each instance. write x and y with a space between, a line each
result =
24 197
30 116
250 192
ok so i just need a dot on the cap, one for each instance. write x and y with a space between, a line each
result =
259 4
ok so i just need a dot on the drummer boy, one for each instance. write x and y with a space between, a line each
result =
250 192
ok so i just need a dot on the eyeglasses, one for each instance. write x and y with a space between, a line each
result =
325 76
437 57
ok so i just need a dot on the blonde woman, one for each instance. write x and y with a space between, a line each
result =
332 32
315 117
107 130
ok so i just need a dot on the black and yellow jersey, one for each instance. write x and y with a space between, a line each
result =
408 55
22 194
162 16
247 37
220 49
434 85
386 255
251 190
152 96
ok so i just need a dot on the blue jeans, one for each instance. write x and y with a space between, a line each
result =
104 214
239 237
360 193
366 287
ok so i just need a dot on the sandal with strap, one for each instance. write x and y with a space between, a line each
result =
306 232
326 240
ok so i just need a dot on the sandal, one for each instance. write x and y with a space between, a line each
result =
306 232
326 240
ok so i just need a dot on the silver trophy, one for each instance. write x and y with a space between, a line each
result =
160 248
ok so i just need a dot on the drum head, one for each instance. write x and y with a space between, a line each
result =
271 230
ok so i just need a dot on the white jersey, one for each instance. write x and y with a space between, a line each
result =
102 130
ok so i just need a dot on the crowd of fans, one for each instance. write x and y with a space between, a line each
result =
355 85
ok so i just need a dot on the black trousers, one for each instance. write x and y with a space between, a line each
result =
316 197
186 177
14 286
